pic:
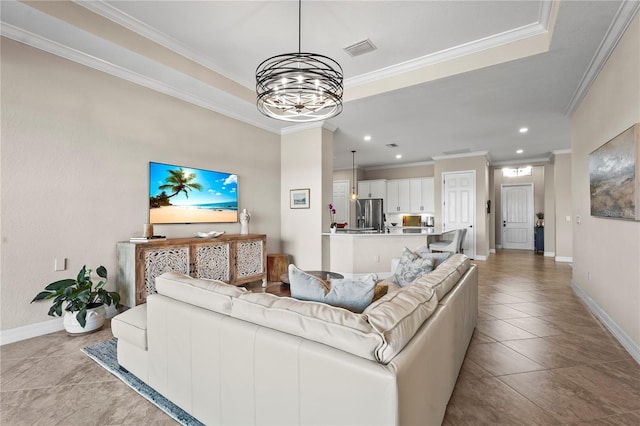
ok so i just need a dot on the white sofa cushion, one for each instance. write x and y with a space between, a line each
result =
315 321
398 315
131 326
442 279
208 294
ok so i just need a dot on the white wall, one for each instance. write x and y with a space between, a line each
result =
76 144
606 252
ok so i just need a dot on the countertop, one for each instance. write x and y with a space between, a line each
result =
394 232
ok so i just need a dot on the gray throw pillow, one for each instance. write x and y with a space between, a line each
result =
411 266
424 253
354 294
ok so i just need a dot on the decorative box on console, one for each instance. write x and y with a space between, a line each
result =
234 259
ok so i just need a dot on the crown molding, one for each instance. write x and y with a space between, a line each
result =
400 166
619 25
562 151
307 126
546 17
462 155
531 161
55 48
125 20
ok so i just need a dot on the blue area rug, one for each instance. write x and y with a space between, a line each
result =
104 353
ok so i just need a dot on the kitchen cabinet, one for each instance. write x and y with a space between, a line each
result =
398 196
422 195
372 189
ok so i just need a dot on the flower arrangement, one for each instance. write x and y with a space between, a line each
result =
332 215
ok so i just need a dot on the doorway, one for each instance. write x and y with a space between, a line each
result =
341 200
459 206
517 216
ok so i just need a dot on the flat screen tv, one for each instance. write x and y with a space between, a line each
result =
180 194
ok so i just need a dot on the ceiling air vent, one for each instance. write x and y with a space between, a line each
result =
360 48
391 145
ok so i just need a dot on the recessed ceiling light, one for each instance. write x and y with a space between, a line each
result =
523 130
520 151
367 138
399 156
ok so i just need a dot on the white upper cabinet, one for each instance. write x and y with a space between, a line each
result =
398 196
372 189
422 196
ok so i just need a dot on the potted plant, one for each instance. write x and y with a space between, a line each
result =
84 311
332 213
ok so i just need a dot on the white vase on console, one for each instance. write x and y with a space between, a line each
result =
245 217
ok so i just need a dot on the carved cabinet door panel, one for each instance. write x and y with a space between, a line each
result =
249 258
213 261
160 260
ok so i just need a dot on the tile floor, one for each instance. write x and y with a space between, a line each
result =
538 357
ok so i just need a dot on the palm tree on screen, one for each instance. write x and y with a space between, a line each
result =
179 181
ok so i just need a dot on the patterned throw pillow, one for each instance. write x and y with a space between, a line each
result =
411 266
354 294
424 253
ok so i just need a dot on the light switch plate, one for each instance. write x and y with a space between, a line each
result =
60 264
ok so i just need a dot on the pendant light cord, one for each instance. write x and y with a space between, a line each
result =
299 25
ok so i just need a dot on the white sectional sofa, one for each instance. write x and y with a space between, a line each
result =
229 356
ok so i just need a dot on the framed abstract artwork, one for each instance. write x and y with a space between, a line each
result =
614 178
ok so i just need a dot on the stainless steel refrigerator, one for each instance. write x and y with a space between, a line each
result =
370 214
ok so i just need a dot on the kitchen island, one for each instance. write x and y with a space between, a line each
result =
353 253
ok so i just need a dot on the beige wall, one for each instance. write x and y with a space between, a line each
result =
549 211
302 228
563 214
536 178
478 164
76 144
606 251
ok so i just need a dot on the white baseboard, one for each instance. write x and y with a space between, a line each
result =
39 329
564 259
549 254
498 246
483 258
492 250
632 347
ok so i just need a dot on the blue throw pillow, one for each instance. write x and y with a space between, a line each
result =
411 266
354 294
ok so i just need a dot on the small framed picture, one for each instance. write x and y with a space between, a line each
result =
299 198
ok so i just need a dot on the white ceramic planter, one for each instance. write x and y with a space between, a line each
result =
95 320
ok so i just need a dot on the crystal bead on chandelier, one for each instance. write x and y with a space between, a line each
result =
299 87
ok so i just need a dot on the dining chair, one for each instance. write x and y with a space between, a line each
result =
453 244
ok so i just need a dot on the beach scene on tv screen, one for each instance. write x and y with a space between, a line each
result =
187 195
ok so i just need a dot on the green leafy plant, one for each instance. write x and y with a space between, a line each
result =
79 294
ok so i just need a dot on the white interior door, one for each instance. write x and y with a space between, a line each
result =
341 200
458 206
517 216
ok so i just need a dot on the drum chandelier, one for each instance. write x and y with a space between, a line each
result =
299 87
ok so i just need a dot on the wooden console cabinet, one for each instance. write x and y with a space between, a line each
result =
234 259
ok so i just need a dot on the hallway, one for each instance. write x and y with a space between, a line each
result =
538 356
